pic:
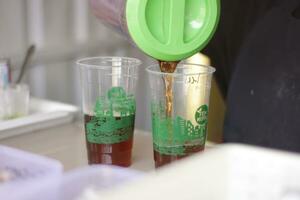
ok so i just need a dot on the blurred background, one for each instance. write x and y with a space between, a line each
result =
64 31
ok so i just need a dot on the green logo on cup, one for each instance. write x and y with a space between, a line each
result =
201 115
175 135
114 118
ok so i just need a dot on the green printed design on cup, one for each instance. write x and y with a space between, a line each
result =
202 115
110 130
172 136
167 150
114 118
118 102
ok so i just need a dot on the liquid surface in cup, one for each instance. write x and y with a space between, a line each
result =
175 137
117 153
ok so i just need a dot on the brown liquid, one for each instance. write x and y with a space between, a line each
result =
168 67
114 154
161 159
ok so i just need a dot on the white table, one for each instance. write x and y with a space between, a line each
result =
66 143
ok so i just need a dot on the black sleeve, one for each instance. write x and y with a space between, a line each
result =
236 21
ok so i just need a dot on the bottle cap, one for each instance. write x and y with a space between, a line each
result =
172 30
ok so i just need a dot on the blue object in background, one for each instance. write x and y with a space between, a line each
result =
4 73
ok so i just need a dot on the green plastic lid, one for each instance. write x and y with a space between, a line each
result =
172 30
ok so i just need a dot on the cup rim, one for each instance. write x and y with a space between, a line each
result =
210 70
133 62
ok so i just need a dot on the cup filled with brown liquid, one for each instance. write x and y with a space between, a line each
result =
179 105
108 103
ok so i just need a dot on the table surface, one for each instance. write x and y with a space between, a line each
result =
66 143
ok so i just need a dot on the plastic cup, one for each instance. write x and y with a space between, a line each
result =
14 101
108 97
179 130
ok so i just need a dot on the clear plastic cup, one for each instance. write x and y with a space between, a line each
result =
14 101
179 117
108 97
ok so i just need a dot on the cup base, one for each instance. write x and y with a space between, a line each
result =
162 159
110 154
122 159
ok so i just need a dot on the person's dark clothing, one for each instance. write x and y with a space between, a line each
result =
256 51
